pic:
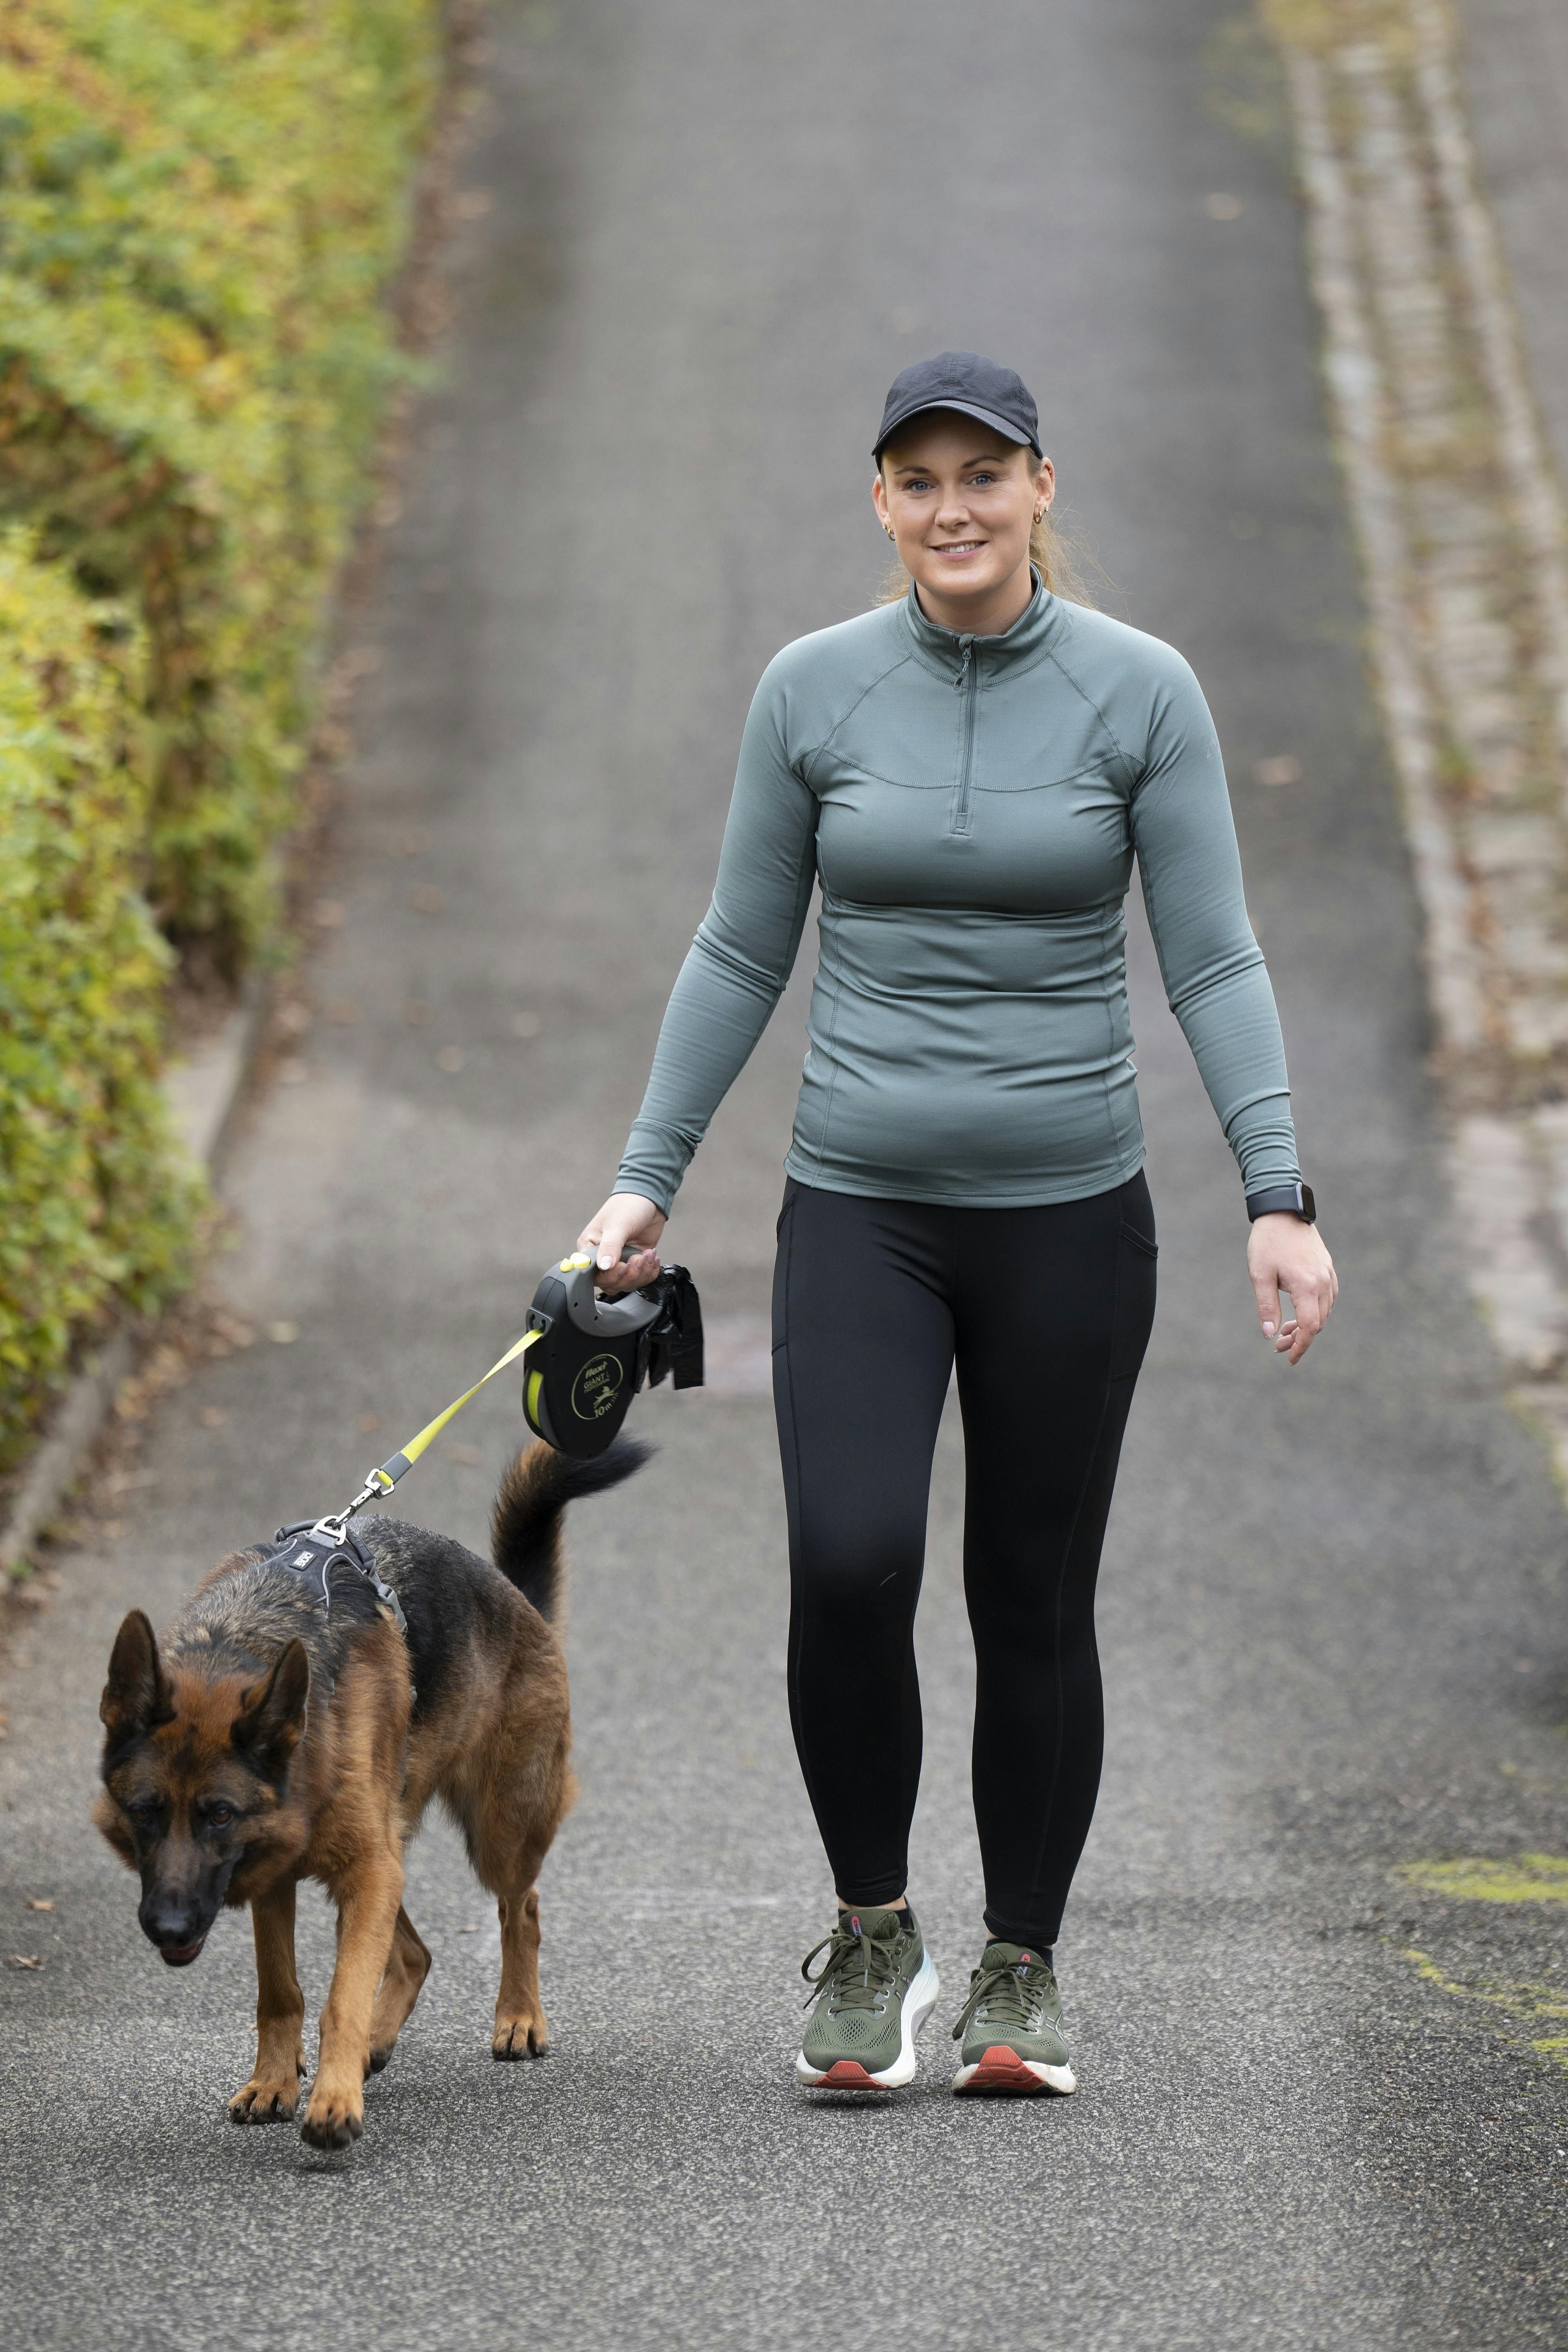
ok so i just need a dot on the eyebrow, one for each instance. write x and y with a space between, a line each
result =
910 465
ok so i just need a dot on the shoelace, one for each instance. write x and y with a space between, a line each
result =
1005 1992
856 1972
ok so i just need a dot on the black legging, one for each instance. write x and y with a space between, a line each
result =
1048 1312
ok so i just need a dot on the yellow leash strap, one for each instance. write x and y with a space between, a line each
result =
381 1481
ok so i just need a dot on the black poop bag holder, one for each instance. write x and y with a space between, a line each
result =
593 1354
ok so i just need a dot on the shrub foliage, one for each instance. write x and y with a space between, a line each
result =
201 202
94 1207
200 205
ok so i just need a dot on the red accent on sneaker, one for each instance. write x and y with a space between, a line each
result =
1002 2070
845 2074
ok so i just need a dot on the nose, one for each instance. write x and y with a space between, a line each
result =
172 1921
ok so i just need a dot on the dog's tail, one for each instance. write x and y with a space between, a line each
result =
525 1526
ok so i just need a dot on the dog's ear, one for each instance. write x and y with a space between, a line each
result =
272 1713
136 1696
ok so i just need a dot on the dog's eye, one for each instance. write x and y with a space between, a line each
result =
219 1816
146 1812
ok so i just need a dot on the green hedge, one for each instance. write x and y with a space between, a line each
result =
93 1204
201 204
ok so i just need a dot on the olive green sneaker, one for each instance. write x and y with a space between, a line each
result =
1012 2028
873 1993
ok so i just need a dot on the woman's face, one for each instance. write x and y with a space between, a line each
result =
961 501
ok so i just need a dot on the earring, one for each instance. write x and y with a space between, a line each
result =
890 531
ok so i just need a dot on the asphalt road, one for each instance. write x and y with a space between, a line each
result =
1333 1598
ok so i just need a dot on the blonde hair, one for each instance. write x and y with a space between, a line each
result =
1060 561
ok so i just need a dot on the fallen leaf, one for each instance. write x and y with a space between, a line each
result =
329 913
368 1423
451 1058
40 1902
284 1334
212 1416
26 1960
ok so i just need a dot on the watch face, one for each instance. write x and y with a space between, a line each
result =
1309 1205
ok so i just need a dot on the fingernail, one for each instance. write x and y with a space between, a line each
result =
606 1261
1268 1331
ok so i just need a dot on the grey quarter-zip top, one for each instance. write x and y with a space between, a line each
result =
973 807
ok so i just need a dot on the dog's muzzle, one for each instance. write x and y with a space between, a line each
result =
180 1955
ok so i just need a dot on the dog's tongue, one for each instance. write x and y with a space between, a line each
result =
179 1955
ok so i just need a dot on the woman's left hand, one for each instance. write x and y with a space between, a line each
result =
1285 1252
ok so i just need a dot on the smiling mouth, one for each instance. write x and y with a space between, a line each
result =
180 1955
961 547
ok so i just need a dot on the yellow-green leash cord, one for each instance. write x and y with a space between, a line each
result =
381 1482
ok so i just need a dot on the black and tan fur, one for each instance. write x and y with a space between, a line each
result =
266 1739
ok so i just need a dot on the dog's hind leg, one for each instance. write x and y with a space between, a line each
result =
507 1853
272 2093
521 2030
407 1966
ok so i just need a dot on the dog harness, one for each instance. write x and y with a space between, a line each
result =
313 1548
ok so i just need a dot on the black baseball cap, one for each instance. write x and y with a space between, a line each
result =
965 381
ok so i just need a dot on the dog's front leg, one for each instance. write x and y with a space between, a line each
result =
368 1903
272 2093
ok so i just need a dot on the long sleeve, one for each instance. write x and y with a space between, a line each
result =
741 958
1215 980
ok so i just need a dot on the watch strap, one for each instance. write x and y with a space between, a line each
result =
1283 1199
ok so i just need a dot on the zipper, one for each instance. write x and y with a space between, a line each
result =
968 684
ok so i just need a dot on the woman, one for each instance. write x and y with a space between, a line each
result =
970 772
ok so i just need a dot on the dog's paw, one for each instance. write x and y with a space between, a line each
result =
521 2037
333 2119
265 2102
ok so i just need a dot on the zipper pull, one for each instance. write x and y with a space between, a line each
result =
968 644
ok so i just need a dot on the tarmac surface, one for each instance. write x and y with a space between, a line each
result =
1315 2109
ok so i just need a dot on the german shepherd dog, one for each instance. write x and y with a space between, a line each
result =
269 1738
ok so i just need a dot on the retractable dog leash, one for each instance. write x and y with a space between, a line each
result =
591 1356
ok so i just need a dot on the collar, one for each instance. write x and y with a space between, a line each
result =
950 654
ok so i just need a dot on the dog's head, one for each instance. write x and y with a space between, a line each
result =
194 1774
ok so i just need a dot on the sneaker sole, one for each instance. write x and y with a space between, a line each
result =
848 2075
1002 2074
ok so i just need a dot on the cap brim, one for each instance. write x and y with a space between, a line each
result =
965 408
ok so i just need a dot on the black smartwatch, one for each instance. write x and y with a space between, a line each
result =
1283 1199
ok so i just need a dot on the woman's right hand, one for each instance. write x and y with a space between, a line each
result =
627 1220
